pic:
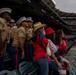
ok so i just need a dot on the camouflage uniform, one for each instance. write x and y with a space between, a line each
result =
4 29
20 32
11 35
12 32
3 36
29 46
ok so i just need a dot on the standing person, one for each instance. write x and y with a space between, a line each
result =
4 19
30 22
16 51
29 45
12 31
40 42
54 63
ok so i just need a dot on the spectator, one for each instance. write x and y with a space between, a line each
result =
4 19
54 63
12 31
16 51
29 45
40 43
62 44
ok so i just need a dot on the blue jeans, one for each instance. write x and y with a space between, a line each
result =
2 66
43 66
54 68
30 52
12 53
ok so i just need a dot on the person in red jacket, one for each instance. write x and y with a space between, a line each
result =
39 44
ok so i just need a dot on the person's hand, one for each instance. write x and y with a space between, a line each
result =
23 55
8 42
65 60
1 53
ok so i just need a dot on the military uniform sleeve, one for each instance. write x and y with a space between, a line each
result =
0 25
1 43
21 33
29 34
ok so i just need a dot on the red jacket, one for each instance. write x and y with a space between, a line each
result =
39 47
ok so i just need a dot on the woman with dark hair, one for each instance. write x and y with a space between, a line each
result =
61 42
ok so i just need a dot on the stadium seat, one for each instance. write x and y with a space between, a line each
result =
73 66
6 57
28 68
6 72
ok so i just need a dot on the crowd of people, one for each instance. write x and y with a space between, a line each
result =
25 41
71 22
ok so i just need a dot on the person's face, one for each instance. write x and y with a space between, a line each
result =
42 29
30 24
25 24
11 24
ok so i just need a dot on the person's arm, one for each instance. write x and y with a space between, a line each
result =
1 46
8 38
54 57
21 42
42 40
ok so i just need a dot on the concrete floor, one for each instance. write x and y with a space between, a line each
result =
70 55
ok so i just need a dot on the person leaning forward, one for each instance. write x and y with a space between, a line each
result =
4 18
17 47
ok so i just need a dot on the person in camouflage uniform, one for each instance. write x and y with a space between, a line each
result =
4 19
12 31
29 46
16 51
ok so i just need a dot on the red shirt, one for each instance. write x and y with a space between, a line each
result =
62 48
39 47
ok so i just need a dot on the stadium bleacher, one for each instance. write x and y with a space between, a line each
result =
30 68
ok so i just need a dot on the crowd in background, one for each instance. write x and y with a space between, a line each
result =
71 22
25 41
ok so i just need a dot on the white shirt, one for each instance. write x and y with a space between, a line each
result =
54 47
